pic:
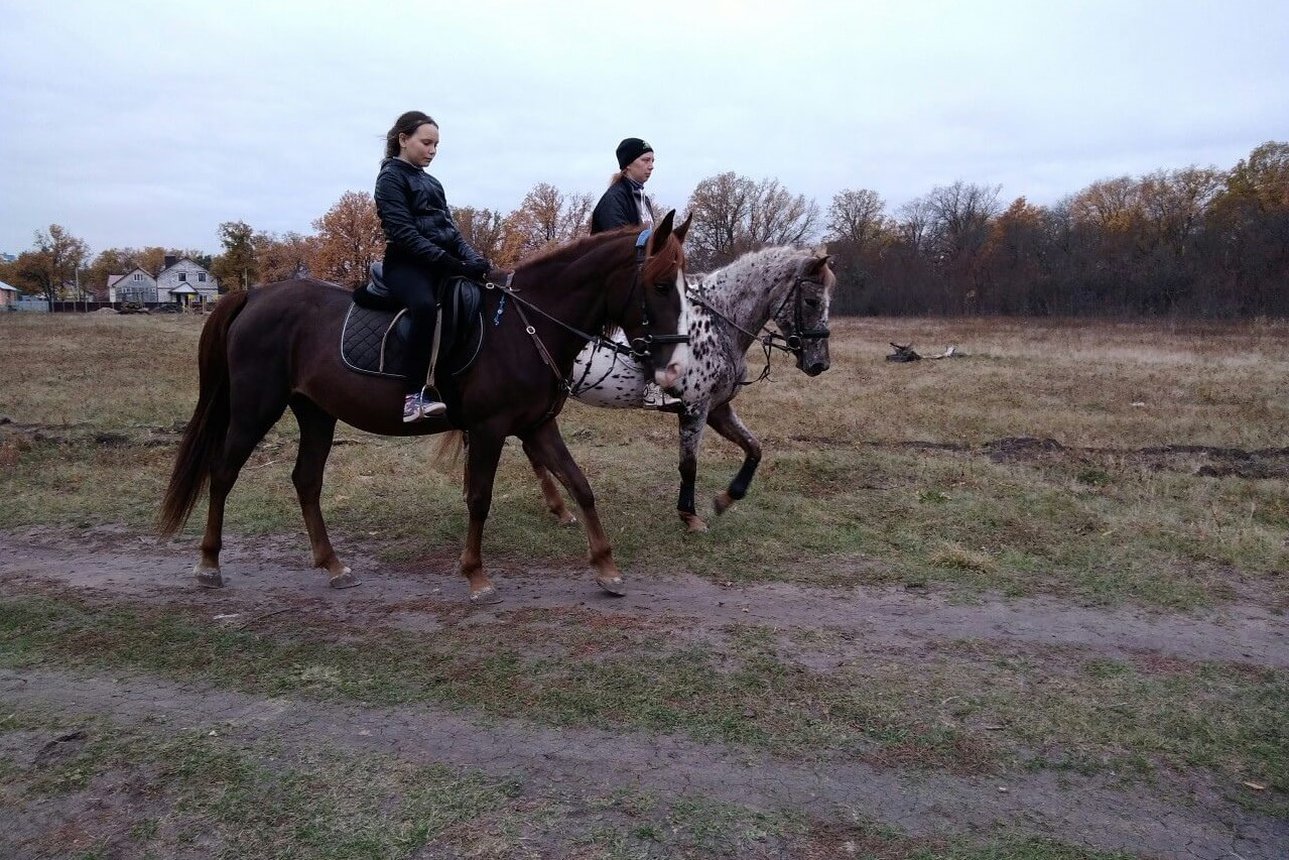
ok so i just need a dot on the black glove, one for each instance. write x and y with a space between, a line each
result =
499 276
477 271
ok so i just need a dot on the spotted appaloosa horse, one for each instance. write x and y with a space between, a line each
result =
731 308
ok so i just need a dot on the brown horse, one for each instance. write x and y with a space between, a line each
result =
278 346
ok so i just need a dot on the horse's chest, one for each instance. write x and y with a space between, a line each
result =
712 366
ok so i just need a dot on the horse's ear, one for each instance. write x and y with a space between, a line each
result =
816 265
684 228
661 231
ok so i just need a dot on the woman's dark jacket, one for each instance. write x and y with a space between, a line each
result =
618 207
418 224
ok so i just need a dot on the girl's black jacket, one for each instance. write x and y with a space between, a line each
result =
418 224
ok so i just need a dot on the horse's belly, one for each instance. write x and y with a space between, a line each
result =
602 377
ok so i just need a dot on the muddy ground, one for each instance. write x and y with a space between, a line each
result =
269 576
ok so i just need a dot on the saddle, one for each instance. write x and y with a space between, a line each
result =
374 338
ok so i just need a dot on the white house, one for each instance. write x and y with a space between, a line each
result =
135 285
186 282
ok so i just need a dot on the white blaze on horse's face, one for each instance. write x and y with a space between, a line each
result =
670 375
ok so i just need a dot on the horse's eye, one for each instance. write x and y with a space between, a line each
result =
812 303
663 286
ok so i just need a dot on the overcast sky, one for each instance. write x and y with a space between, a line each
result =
149 123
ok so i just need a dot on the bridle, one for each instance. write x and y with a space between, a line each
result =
794 343
638 347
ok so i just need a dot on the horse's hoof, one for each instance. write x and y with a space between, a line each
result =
615 586
209 577
568 520
345 579
723 502
485 596
693 523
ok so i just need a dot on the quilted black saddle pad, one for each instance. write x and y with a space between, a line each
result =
375 342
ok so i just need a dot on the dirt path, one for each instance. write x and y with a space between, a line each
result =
266 574
1073 810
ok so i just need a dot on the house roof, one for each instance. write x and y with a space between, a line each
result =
183 260
7 288
183 290
113 280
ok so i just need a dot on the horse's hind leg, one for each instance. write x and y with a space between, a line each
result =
726 422
317 429
482 456
550 492
251 419
546 447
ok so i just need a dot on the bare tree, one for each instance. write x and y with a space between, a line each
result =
856 216
733 215
546 216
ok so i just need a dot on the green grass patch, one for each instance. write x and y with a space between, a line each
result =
241 796
964 709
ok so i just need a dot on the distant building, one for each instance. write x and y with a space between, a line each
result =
135 285
182 281
8 297
186 281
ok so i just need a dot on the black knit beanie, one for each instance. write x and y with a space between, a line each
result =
631 149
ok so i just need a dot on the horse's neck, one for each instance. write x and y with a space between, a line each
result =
747 295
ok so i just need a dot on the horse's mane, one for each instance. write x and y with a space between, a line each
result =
771 257
572 248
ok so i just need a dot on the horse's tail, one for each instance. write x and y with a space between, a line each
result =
203 439
449 449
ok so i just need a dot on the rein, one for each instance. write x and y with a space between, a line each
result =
638 348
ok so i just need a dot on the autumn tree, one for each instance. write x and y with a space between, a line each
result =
544 217
112 261
52 267
1012 261
486 231
1249 233
349 240
281 258
235 269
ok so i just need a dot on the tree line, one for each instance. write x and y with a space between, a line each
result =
1195 241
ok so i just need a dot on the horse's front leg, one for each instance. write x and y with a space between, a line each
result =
317 429
691 434
726 422
483 454
546 447
550 492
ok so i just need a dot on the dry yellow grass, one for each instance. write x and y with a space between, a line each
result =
874 472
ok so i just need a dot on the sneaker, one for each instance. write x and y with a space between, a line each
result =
656 398
412 408
430 407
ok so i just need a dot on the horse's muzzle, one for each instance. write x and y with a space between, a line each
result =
815 368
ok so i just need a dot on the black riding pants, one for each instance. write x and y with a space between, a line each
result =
416 288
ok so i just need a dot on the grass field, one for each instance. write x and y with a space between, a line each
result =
1027 603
